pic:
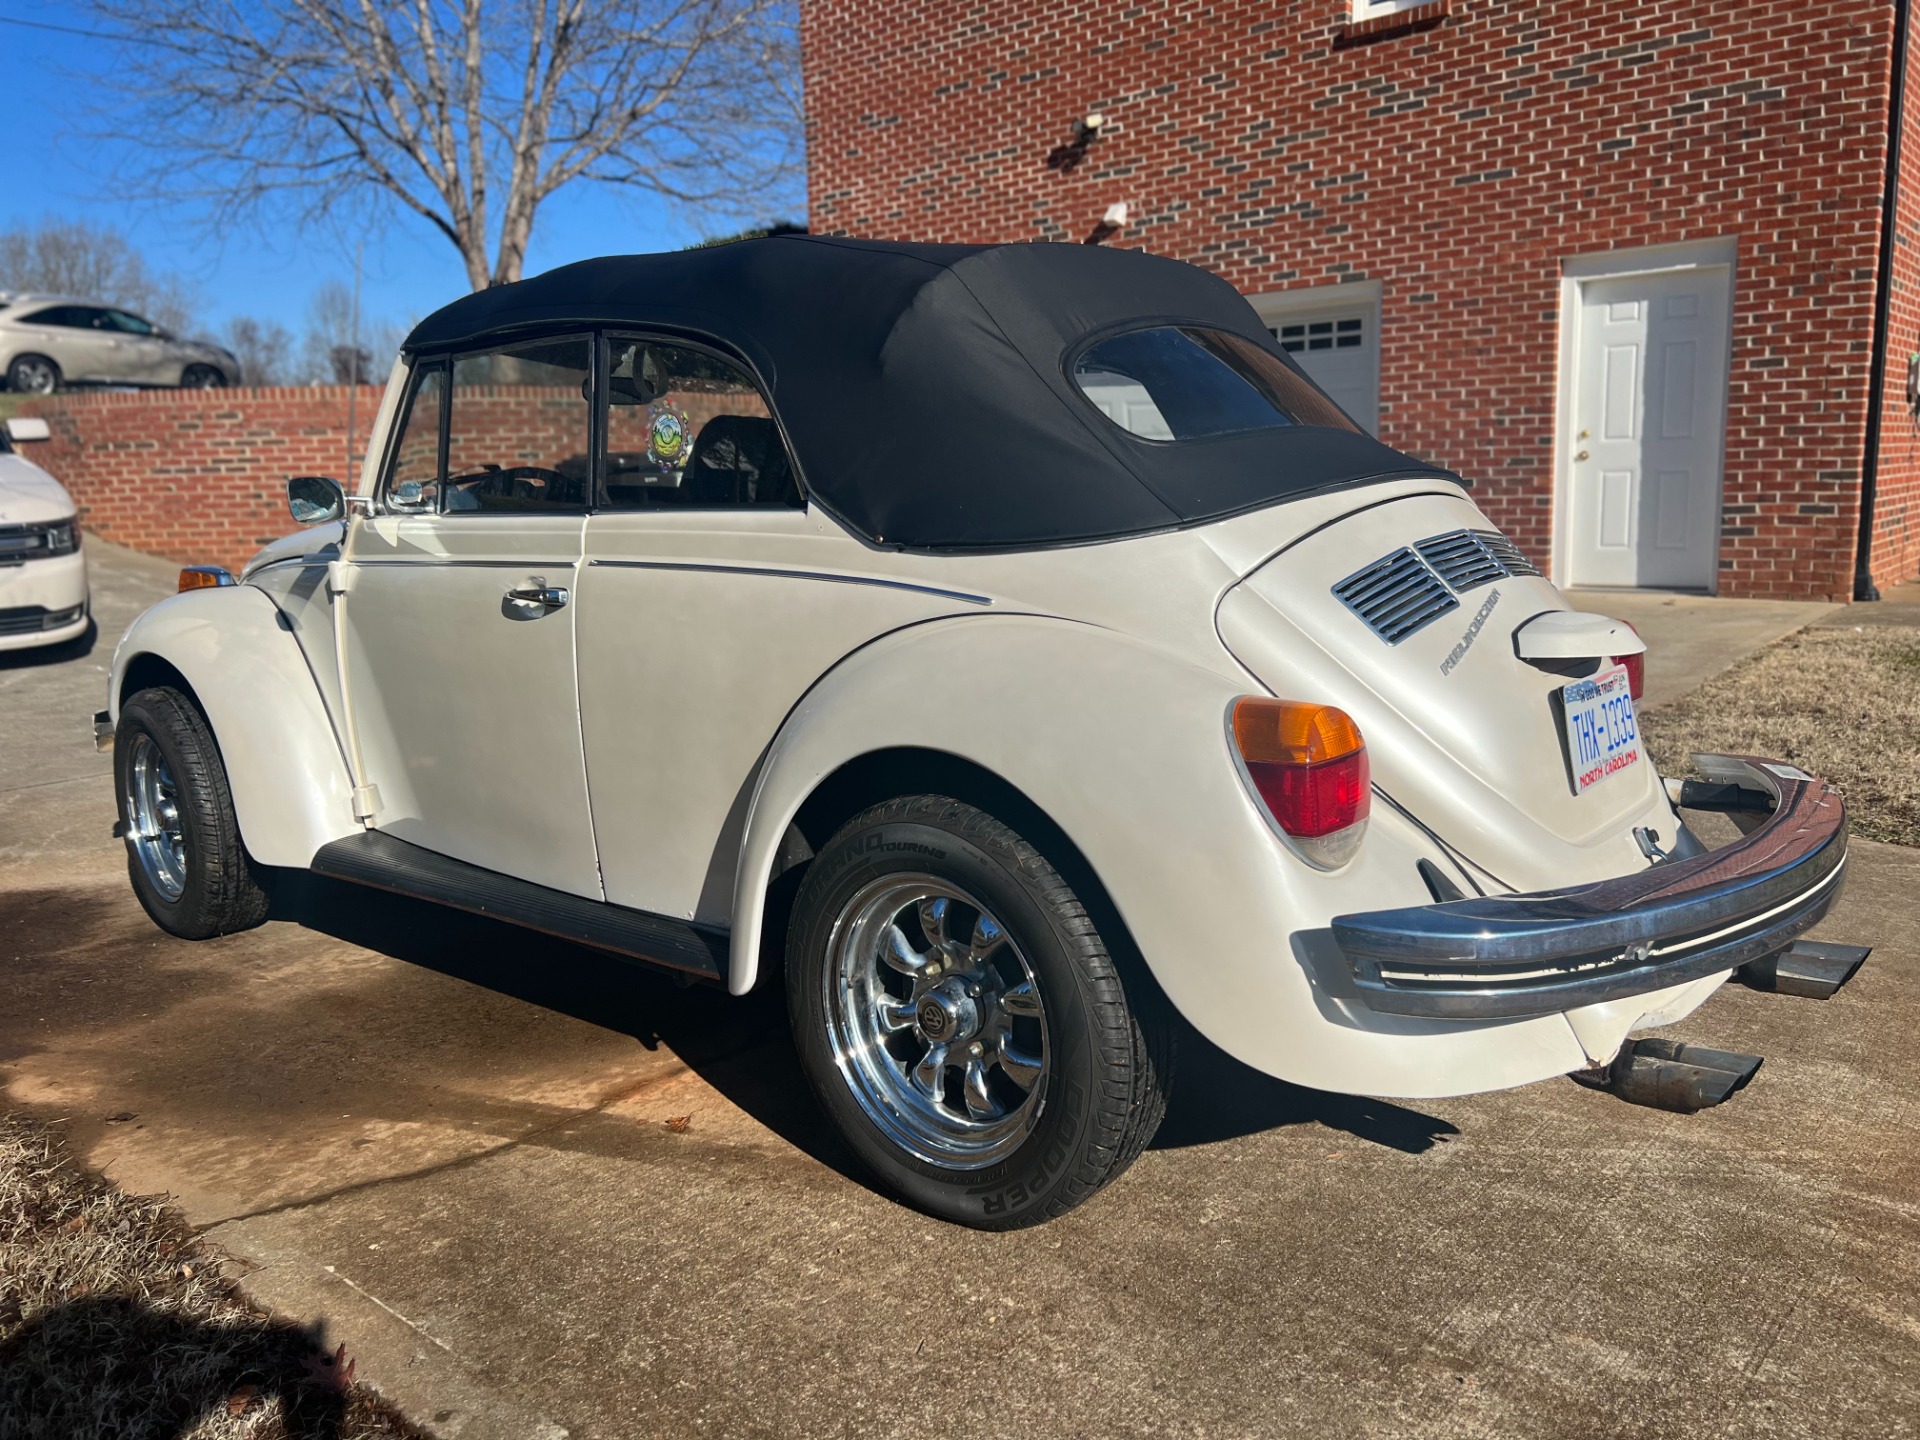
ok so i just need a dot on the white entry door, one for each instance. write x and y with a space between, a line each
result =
1649 408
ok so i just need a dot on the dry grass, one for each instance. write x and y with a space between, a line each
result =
1840 702
115 1321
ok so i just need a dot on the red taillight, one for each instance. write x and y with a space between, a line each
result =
1636 668
1310 801
1308 764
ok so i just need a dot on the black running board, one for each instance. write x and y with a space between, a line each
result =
384 863
1812 969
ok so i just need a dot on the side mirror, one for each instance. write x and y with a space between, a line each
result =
28 427
315 499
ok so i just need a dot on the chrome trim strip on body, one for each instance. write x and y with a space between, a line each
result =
443 562
1504 956
794 575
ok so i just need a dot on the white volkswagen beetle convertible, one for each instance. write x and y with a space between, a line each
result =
1003 647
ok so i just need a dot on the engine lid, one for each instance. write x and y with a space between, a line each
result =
1405 615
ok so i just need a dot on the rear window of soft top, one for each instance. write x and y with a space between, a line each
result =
1189 382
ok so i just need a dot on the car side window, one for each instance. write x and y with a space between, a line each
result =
130 324
519 423
67 317
688 430
413 471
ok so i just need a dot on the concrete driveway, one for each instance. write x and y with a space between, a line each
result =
447 1138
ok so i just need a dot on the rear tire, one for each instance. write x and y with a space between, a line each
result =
33 375
191 872
928 926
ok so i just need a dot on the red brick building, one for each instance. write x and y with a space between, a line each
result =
1632 268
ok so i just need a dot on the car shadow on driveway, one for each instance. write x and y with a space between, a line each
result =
1216 1098
742 1048
739 1046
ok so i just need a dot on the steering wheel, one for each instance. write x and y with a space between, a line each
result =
548 481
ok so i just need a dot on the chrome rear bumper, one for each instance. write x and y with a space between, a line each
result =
1497 956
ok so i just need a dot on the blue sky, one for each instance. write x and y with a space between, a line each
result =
271 273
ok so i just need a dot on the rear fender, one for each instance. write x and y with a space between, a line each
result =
1125 749
232 646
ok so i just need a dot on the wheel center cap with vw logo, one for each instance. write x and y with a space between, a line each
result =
946 1015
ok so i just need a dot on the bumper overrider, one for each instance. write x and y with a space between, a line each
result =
1502 956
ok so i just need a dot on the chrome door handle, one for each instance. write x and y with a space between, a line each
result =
552 597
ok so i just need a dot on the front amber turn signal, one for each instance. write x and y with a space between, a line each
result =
203 577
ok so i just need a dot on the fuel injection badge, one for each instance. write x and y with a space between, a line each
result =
1465 643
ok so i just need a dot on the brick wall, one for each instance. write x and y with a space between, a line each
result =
1896 526
1458 163
197 476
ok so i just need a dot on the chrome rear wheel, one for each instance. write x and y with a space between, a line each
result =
961 1019
33 375
936 1021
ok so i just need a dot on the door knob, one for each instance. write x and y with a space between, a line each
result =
1581 456
551 597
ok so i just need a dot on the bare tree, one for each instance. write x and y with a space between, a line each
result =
264 349
336 350
95 262
467 116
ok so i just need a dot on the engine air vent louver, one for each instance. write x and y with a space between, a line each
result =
1461 559
1396 596
1506 553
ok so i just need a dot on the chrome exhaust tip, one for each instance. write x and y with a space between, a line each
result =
1667 1075
1810 968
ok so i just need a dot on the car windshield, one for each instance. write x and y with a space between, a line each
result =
1188 383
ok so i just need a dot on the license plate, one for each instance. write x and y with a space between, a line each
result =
1603 733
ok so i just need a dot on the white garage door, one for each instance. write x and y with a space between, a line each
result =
1336 340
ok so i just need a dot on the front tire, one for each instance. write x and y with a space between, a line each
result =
202 377
191 872
963 1022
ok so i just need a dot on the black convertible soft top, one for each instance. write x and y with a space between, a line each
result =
925 388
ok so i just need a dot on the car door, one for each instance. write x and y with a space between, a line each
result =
145 356
460 616
711 600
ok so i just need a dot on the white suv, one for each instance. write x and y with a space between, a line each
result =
47 341
43 575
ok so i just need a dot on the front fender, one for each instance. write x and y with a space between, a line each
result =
291 793
1125 748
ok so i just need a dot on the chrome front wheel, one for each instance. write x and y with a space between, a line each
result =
153 819
936 1021
188 864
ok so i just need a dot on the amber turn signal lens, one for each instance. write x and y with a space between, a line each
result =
203 577
1308 765
1292 732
